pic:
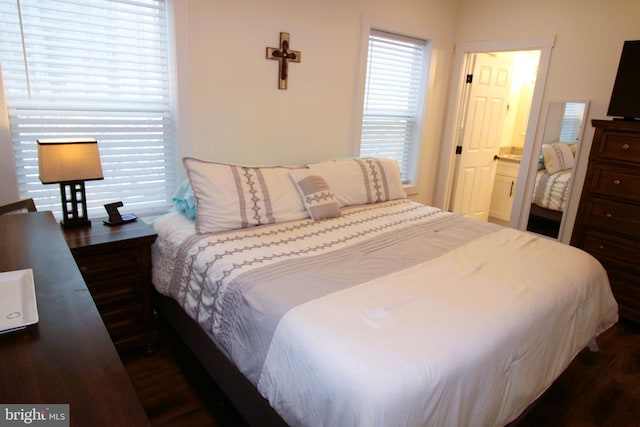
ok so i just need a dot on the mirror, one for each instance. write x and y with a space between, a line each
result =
561 139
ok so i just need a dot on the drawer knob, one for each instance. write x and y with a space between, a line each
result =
609 215
617 181
625 147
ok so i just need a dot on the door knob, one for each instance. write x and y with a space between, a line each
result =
496 157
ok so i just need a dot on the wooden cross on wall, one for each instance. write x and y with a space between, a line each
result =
284 56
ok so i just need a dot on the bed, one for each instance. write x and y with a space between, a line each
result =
553 178
330 298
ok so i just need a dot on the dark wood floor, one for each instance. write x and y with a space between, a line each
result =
598 389
175 390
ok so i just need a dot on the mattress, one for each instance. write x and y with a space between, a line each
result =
393 314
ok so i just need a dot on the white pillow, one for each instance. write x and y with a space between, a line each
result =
233 196
557 157
316 195
362 180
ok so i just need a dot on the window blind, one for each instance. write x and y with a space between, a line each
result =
393 99
571 122
99 69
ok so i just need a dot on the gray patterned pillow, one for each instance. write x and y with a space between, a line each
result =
317 197
229 196
359 181
557 157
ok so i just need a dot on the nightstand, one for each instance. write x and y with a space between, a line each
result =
115 262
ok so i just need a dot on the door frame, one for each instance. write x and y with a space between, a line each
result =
455 106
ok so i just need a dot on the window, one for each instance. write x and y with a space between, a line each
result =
394 100
99 69
572 120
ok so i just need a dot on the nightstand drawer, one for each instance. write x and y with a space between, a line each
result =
108 265
611 249
621 183
124 321
619 147
109 291
613 216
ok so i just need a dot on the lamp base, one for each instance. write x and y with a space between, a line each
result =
75 224
74 205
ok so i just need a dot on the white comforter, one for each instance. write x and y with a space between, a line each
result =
468 331
466 339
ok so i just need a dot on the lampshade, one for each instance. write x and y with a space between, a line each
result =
68 159
70 162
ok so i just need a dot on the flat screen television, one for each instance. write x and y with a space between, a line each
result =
625 98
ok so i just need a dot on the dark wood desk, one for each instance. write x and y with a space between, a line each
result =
68 356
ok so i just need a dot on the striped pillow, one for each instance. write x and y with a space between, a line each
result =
231 196
361 181
557 157
317 197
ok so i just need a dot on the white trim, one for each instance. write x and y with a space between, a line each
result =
367 25
358 108
537 147
520 211
181 51
9 191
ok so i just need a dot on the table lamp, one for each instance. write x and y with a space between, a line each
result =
70 162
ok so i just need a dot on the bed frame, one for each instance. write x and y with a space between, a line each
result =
246 399
254 408
547 214
544 221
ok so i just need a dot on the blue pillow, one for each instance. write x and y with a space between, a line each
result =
184 201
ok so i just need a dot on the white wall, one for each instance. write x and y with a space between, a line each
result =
231 109
240 115
588 40
229 106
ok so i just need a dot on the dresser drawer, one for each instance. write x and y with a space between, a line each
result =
612 216
626 290
618 182
619 147
612 250
625 286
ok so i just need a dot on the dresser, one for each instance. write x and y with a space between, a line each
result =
67 357
608 220
115 262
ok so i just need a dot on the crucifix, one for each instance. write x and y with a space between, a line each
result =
284 56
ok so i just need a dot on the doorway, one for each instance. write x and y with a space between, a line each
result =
513 143
492 130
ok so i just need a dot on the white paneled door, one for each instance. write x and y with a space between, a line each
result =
486 109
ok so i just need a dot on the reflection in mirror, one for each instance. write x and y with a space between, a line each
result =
560 144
